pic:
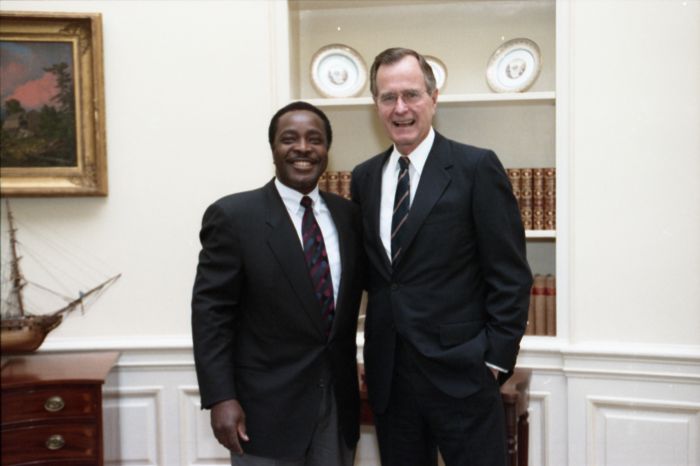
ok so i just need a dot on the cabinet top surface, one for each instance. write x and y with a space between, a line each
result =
47 368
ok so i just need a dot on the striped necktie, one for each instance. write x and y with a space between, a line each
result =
317 262
402 201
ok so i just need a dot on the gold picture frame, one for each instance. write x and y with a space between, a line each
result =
52 108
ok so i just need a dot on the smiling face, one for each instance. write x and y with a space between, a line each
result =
300 150
406 123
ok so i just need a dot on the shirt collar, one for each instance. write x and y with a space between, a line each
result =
419 155
292 197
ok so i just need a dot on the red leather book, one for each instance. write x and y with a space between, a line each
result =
550 304
538 290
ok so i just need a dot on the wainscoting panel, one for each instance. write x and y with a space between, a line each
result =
593 405
633 410
653 433
199 446
132 426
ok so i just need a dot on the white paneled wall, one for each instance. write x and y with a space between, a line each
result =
605 406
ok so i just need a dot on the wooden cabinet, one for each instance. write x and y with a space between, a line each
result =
52 408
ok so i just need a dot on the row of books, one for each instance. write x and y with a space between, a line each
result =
536 192
534 188
542 313
336 183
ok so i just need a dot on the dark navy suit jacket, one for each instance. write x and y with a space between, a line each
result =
460 290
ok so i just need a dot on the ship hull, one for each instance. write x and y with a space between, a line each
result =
26 335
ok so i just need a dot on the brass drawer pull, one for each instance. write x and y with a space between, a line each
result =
54 404
55 442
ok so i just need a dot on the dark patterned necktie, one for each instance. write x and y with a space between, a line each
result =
402 201
317 262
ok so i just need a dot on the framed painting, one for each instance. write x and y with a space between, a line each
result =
52 105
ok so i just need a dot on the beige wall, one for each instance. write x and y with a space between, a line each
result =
635 152
189 91
188 97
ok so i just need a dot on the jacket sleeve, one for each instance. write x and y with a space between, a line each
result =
215 302
503 260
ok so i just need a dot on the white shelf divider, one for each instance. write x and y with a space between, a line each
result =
540 234
548 96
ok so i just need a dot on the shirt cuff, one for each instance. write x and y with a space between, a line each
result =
493 366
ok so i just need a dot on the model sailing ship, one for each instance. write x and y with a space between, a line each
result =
23 331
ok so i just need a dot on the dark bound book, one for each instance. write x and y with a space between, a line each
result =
344 179
526 197
323 182
538 199
514 177
333 183
550 199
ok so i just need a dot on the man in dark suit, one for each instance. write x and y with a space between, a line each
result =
274 308
448 280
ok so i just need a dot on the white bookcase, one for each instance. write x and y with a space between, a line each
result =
522 128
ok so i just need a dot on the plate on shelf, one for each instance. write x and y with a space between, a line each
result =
514 66
439 70
338 71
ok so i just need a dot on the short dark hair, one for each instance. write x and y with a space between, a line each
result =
391 56
299 105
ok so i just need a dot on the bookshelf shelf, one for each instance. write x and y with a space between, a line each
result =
540 234
445 99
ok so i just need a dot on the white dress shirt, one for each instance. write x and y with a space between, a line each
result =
390 174
292 201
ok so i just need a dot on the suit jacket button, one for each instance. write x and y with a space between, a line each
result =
394 286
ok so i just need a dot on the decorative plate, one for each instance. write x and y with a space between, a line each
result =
439 70
338 71
514 66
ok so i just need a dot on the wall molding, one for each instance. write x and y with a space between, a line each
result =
567 379
676 363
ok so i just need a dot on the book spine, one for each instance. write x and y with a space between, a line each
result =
344 181
538 199
539 298
323 182
530 328
514 177
550 304
550 199
333 183
526 197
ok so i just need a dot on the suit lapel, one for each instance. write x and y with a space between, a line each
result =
375 199
433 181
347 251
284 242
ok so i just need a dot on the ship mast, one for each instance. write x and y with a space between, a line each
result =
16 277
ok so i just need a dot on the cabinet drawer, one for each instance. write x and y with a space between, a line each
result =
47 403
49 442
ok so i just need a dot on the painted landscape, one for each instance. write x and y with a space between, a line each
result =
37 115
